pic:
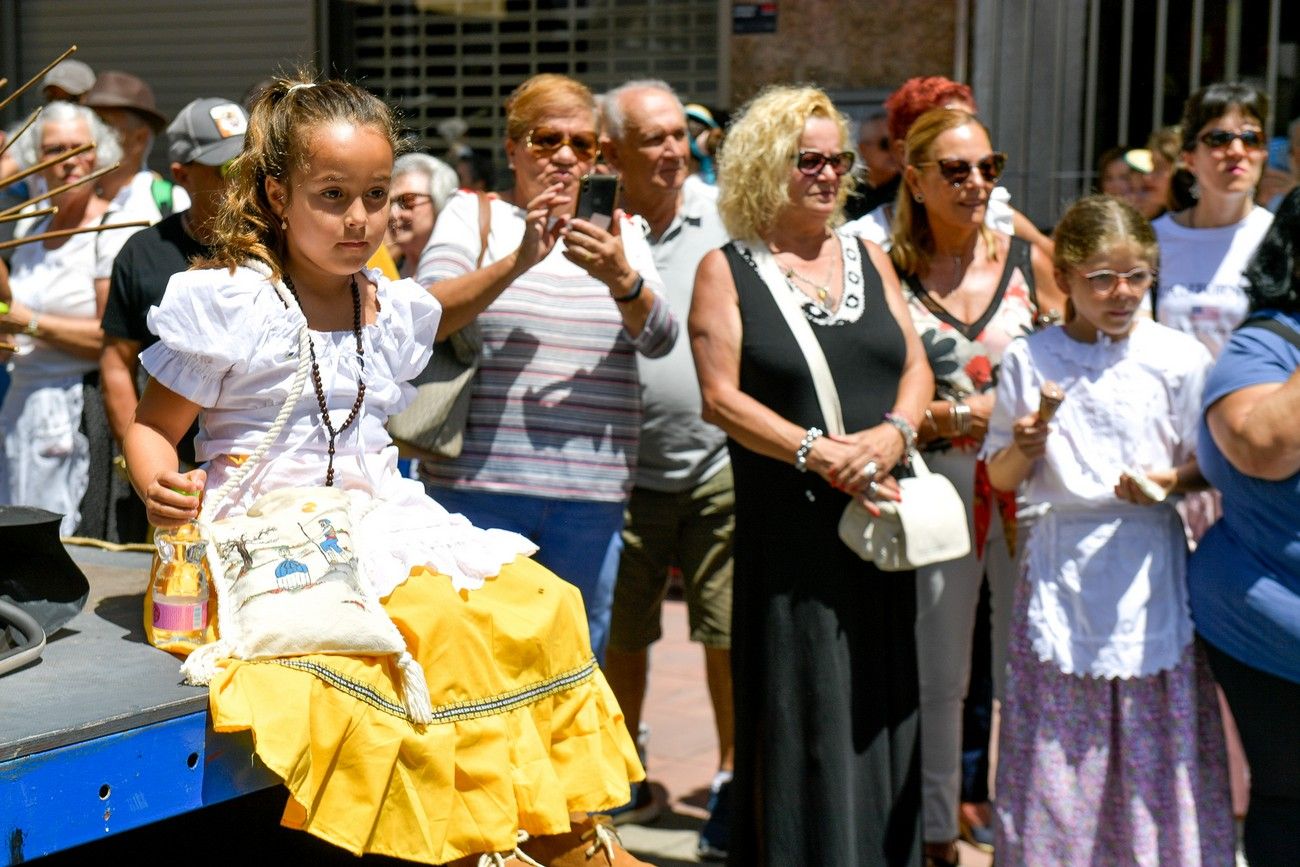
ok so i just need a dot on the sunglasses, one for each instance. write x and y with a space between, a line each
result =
1104 281
1218 139
544 141
812 162
956 171
411 201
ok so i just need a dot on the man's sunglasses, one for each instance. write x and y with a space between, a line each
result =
1251 139
544 141
956 171
812 162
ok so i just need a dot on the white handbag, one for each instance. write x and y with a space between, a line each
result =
929 525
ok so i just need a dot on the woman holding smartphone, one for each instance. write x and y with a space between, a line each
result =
563 307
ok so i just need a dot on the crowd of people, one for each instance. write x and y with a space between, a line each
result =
645 407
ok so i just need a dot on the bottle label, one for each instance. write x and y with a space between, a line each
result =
180 617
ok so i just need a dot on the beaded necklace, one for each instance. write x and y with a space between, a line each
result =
320 387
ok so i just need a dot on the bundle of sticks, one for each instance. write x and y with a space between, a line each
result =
19 211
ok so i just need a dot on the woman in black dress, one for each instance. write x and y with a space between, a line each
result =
823 654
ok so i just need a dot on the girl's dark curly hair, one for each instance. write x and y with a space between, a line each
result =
1272 281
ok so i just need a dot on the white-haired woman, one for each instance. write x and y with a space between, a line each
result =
52 319
421 186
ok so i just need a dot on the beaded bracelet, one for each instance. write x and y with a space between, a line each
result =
805 446
905 428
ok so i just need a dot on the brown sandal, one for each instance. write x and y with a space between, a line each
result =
592 842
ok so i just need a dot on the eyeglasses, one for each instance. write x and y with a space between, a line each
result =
1218 139
544 141
48 151
812 162
1104 281
956 171
411 201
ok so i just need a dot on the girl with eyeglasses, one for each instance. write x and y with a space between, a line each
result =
823 649
1110 748
564 307
970 291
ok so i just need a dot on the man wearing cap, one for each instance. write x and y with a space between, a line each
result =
205 136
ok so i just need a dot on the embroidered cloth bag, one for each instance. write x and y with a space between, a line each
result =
287 578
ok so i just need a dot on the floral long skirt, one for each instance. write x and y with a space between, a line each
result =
1096 771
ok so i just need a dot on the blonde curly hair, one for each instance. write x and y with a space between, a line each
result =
759 151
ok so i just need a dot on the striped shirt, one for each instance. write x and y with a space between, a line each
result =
556 410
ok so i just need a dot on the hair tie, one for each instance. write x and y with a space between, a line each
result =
294 87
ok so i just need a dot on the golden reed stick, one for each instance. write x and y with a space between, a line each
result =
43 212
31 120
45 164
37 77
98 173
63 233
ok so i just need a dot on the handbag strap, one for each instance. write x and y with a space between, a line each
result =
484 227
214 501
828 397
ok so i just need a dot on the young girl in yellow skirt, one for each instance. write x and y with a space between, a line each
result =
526 737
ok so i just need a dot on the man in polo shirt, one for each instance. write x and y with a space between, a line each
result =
680 514
207 134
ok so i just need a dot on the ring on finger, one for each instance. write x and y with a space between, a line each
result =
869 469
873 489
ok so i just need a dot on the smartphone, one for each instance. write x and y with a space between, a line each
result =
597 198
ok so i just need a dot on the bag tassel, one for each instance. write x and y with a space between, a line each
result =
201 665
415 692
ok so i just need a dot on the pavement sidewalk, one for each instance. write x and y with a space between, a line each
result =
683 751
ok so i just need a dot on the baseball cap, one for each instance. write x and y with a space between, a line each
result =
115 89
208 131
72 76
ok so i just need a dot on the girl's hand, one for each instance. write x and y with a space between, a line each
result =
598 252
540 231
1030 436
1129 490
168 509
881 445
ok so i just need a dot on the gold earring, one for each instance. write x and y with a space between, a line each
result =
919 198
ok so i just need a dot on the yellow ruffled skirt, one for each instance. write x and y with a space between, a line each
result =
525 727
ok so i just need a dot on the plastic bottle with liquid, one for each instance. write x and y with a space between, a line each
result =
181 585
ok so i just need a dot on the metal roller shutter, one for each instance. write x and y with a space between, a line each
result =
184 50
